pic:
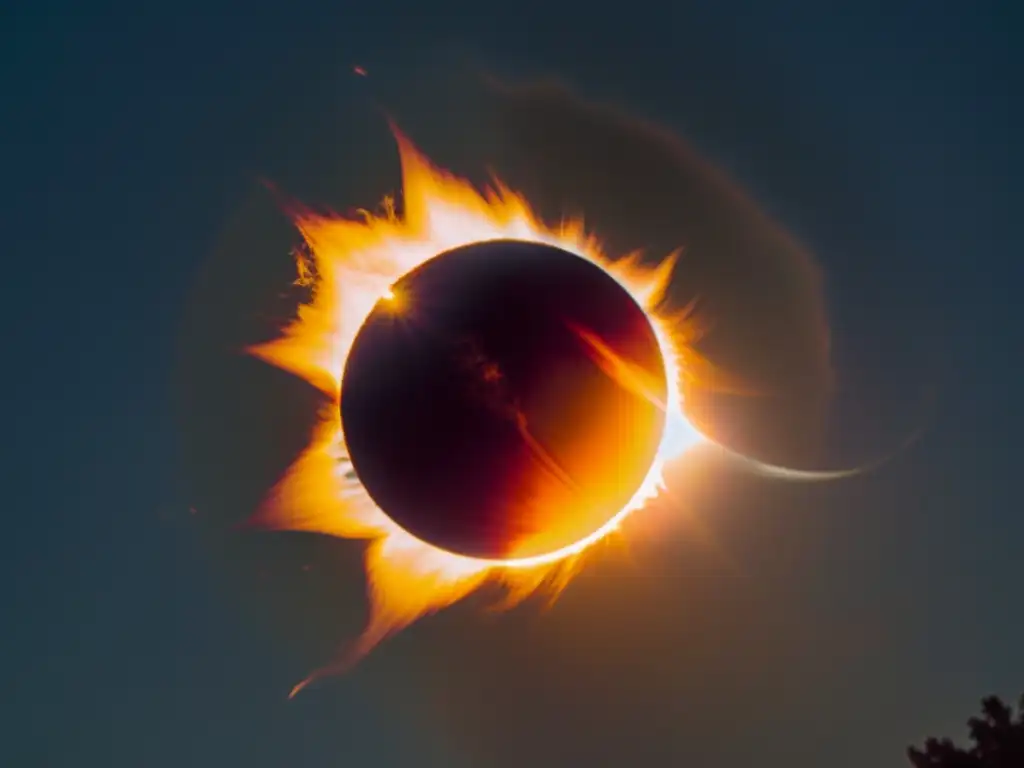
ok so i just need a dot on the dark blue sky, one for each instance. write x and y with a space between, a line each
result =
885 135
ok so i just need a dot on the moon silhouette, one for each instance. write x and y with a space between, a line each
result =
478 420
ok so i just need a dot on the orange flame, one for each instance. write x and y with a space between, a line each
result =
356 262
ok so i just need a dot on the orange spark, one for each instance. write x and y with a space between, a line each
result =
356 261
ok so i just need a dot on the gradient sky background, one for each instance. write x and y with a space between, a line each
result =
884 135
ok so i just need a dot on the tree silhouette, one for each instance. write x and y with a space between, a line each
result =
998 741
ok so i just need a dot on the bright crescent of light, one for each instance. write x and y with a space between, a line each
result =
775 471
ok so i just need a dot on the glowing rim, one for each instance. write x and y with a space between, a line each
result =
653 478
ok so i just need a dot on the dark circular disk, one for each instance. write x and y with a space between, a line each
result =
478 413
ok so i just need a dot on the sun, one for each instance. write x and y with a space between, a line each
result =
352 265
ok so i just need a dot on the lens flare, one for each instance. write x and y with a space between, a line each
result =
351 266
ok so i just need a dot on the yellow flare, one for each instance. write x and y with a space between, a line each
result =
356 262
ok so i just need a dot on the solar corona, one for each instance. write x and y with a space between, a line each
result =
499 394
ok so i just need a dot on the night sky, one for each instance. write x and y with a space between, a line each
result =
751 622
